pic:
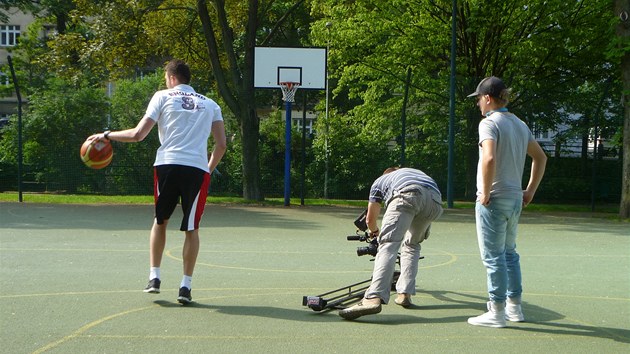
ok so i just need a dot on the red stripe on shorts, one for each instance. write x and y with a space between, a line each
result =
201 199
156 189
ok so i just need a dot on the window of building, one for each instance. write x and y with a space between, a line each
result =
49 31
540 132
544 134
4 79
298 124
9 35
4 120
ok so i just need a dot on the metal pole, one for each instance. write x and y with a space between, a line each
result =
109 106
594 167
287 156
404 119
595 146
328 25
303 150
19 104
451 122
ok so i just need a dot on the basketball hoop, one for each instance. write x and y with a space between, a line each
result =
288 90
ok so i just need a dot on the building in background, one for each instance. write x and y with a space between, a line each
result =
10 33
297 117
563 141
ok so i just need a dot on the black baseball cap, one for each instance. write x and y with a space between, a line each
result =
489 86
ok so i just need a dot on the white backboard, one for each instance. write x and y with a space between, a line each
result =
306 66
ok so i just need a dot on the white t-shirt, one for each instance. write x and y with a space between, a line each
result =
184 120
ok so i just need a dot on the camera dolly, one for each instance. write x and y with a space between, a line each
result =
342 297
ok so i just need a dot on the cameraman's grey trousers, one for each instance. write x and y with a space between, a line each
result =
407 222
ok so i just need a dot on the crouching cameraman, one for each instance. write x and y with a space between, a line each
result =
412 200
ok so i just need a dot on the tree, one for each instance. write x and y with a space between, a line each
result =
358 155
132 171
622 10
6 5
544 50
235 75
59 117
216 36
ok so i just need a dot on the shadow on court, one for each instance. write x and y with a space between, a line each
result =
546 320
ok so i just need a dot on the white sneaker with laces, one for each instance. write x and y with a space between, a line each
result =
495 317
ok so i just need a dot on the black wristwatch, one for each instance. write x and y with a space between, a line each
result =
106 134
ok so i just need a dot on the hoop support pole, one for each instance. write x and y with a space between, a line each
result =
287 155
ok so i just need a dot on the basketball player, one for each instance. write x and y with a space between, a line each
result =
185 120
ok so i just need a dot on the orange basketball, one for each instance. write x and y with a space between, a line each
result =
97 154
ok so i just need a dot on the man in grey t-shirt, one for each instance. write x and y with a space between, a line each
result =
504 141
412 201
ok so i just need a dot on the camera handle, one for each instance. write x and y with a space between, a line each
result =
360 237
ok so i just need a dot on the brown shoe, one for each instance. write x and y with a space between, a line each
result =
360 309
403 300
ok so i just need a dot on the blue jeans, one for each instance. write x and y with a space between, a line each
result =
497 225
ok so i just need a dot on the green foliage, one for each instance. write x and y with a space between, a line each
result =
573 180
546 51
357 155
228 180
30 72
131 171
272 155
59 118
557 57
272 147
104 39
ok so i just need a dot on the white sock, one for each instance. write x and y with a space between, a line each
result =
513 301
154 272
186 281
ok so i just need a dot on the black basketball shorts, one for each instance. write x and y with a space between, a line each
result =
172 183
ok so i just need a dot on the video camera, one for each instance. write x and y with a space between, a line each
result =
361 224
371 248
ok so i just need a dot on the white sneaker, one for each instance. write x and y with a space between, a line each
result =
514 313
495 317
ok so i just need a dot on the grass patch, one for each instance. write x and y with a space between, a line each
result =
609 209
53 198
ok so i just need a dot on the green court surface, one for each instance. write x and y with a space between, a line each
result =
71 280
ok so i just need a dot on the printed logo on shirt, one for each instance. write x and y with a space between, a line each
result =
182 93
188 103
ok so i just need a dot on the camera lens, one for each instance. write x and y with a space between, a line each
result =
372 249
362 251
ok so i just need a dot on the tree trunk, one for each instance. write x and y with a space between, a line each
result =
624 206
236 89
622 10
251 165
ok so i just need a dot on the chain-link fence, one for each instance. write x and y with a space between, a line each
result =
567 180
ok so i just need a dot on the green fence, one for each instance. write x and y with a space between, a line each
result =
567 180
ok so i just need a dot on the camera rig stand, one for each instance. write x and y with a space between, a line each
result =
342 297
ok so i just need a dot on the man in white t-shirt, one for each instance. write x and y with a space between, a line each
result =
185 120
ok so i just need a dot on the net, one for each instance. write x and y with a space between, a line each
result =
288 90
